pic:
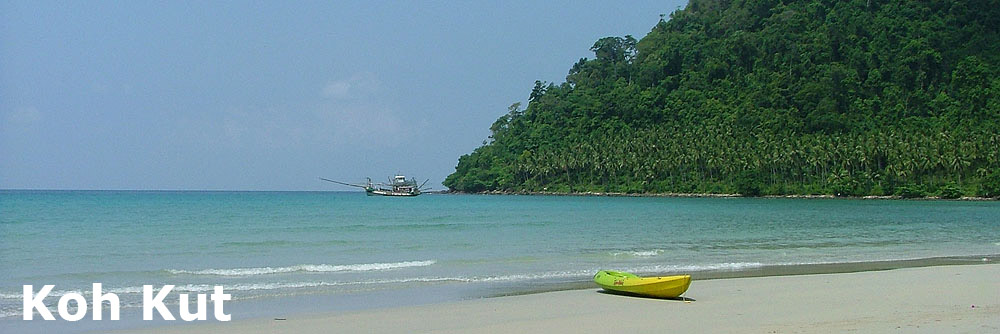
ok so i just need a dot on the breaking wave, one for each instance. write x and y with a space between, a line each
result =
729 266
303 268
639 253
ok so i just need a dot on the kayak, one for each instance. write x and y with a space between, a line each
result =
660 287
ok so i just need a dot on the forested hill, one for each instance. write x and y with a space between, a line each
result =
860 97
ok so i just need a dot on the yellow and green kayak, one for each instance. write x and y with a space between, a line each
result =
660 287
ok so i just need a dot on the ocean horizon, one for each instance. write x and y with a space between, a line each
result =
315 251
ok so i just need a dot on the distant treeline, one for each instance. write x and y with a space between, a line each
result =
767 97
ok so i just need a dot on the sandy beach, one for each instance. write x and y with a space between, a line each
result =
941 299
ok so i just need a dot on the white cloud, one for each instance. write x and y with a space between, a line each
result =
337 90
367 125
354 114
351 116
357 86
24 116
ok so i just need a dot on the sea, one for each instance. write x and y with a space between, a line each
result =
283 254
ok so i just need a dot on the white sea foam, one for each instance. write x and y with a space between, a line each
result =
60 293
255 286
300 285
381 266
734 266
9 313
303 268
729 266
53 293
530 277
640 253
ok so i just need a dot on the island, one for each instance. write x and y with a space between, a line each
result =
828 98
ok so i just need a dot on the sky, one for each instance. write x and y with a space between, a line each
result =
271 95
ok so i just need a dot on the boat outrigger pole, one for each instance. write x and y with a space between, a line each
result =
345 183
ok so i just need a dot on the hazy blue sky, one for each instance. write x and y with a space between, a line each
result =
271 95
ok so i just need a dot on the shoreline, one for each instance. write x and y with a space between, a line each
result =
443 295
782 270
946 298
705 195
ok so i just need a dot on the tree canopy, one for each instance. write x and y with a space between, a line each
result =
758 97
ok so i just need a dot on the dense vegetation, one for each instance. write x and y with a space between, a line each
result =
757 97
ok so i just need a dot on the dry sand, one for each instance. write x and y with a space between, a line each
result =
943 299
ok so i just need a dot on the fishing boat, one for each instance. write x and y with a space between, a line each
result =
660 287
398 186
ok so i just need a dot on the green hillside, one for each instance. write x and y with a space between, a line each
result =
764 97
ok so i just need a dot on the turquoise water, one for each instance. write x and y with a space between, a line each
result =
282 246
